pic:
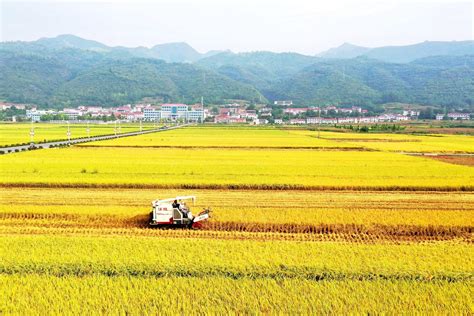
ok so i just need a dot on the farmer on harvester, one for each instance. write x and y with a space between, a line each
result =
182 209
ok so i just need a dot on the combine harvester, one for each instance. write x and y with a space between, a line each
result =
174 212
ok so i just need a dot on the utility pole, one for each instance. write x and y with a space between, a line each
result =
141 128
32 132
115 128
319 121
68 133
88 130
120 127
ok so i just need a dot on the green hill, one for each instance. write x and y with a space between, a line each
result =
402 54
367 81
68 70
50 81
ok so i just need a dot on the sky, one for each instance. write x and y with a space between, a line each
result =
304 26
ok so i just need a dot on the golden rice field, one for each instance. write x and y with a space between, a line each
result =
224 138
19 133
299 225
223 168
288 138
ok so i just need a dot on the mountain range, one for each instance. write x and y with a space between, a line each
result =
169 52
402 54
68 70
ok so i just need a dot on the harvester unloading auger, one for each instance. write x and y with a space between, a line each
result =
175 212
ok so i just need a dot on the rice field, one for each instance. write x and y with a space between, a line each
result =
289 138
239 137
225 168
299 225
438 143
19 133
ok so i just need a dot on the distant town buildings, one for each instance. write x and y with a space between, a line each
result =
146 112
233 113
454 116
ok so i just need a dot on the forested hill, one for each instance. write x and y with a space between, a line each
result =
438 80
69 71
70 78
445 81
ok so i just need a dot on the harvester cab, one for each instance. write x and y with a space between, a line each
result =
175 212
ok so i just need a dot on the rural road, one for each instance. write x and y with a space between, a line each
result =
34 146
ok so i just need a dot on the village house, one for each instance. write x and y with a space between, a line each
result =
454 116
297 121
411 113
295 111
283 103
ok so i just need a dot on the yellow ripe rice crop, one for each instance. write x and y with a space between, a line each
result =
219 295
405 143
231 167
292 207
19 133
222 137
300 225
266 137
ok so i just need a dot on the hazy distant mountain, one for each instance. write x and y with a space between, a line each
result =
170 52
176 52
346 50
402 54
257 68
72 41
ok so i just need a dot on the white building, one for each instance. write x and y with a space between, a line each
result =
260 121
195 115
459 116
312 120
283 103
295 111
35 116
297 121
174 112
411 113
151 113
72 114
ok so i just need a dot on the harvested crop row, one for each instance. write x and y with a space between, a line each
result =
236 186
18 230
393 232
267 207
320 148
457 160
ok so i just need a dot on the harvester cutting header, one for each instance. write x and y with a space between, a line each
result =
175 212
